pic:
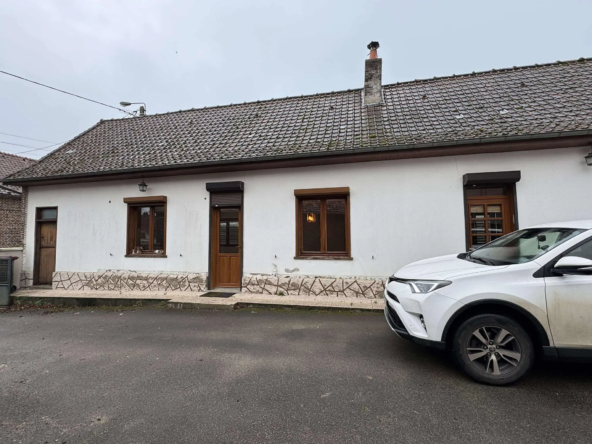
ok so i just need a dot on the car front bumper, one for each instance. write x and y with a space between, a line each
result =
407 325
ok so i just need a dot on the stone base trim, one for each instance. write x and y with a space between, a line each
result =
120 280
26 279
351 287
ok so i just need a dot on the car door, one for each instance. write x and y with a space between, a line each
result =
569 303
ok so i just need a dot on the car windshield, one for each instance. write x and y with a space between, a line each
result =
522 246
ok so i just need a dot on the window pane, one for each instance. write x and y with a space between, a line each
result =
477 227
584 251
477 212
311 225
479 240
495 226
336 225
223 236
523 246
494 210
159 228
143 233
233 233
229 230
48 213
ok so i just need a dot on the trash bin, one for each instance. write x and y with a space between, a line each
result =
6 287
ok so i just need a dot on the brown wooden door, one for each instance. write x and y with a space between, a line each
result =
46 251
489 218
226 248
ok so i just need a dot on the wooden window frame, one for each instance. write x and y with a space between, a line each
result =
133 203
322 194
509 219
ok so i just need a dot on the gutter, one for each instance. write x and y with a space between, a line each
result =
309 155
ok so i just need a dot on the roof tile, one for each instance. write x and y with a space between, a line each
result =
527 101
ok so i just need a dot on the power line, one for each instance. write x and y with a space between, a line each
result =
27 146
65 92
28 138
16 144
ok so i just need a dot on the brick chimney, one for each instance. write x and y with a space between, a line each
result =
373 77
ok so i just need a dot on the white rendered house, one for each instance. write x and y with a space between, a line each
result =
322 194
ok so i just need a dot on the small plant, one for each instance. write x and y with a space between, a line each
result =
281 293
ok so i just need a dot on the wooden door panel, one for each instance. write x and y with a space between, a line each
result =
47 252
234 270
226 255
223 270
47 236
46 265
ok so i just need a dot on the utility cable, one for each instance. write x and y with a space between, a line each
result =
26 146
65 92
28 138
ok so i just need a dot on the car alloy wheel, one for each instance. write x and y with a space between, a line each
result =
494 350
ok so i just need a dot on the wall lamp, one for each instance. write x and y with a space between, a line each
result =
588 157
142 186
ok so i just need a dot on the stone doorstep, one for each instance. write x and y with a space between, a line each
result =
183 300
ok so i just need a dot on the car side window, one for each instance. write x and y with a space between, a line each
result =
584 250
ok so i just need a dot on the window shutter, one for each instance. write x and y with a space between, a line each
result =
226 199
132 223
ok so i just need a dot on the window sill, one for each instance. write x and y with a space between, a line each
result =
147 255
325 258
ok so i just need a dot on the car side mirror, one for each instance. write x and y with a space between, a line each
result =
573 265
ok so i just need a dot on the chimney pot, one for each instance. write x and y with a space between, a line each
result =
373 77
373 46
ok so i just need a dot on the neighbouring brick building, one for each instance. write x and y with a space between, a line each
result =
13 207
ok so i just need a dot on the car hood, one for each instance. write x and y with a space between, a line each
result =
441 268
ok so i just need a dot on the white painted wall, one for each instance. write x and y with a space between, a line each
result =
401 211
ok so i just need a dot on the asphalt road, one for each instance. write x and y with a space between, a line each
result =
158 376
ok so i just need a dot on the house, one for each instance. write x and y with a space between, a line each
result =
320 194
13 205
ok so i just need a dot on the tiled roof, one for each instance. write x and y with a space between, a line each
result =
510 103
9 164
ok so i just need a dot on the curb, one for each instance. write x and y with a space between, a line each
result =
239 305
138 302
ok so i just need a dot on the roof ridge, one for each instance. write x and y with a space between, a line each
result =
435 78
273 99
495 71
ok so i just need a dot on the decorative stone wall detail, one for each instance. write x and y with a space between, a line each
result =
119 280
350 287
26 279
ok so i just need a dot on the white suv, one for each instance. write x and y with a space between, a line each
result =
498 306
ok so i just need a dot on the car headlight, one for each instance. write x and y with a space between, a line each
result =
427 286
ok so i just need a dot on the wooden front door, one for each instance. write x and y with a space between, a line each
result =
46 252
489 218
226 248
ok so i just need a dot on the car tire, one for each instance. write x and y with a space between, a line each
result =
493 349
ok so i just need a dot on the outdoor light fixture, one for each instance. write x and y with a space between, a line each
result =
142 185
588 158
311 217
142 108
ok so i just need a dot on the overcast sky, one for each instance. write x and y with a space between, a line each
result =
188 53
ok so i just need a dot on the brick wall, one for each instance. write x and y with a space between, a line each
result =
12 221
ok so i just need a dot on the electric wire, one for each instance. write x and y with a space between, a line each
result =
65 92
